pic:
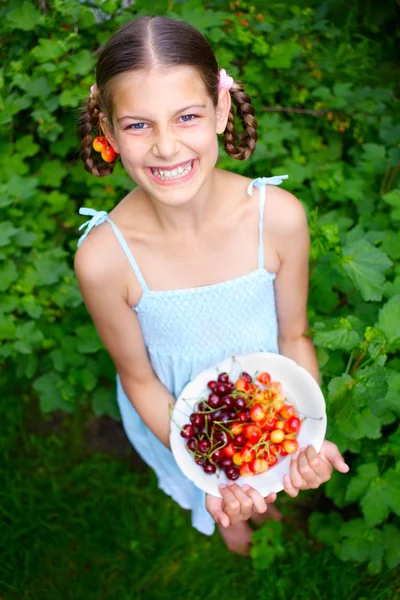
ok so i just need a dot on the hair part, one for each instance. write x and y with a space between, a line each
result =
146 42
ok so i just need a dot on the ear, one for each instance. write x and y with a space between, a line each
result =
223 108
108 131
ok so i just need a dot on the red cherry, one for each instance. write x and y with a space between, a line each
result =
188 431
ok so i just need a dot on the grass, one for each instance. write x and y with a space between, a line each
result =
77 525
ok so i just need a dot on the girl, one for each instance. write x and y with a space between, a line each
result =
195 264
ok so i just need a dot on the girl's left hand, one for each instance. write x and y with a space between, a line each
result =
309 470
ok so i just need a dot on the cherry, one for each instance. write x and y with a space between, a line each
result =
222 436
204 446
188 431
221 388
215 416
224 377
226 462
108 154
232 473
211 385
247 376
209 468
203 407
197 419
224 417
240 403
242 417
218 454
227 401
240 440
213 400
200 461
208 418
232 414
192 444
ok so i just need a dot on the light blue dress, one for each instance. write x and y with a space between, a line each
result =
187 331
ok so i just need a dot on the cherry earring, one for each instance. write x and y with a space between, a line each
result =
101 144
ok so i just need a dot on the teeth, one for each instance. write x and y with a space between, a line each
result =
180 171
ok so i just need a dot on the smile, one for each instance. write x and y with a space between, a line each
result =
173 173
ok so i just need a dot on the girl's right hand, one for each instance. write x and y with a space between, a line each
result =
237 504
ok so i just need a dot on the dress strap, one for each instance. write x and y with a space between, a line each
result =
99 217
261 182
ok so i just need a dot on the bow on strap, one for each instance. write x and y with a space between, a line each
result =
98 217
276 180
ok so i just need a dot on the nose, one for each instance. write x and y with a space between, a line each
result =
166 145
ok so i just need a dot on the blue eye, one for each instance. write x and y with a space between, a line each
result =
187 118
138 126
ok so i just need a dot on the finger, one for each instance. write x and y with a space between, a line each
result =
311 478
246 502
231 503
335 458
297 480
320 466
259 504
289 487
270 499
222 518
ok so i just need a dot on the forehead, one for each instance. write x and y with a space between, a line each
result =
160 90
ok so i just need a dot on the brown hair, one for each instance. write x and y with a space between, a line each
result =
148 41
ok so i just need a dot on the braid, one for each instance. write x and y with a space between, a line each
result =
89 121
245 145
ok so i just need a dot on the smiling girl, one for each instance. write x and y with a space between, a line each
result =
195 264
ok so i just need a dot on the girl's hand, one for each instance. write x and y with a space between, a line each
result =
309 470
237 504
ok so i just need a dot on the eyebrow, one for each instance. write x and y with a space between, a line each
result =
137 118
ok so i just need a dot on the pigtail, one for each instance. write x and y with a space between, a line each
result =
242 147
88 122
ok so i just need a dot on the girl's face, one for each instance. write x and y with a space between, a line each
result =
164 128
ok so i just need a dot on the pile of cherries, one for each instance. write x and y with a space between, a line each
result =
242 427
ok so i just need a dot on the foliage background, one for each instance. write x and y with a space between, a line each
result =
81 519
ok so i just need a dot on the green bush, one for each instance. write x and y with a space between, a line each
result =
323 87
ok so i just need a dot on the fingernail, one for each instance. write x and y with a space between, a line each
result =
222 486
246 487
295 455
348 468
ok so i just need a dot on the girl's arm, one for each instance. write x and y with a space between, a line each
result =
291 286
119 329
290 231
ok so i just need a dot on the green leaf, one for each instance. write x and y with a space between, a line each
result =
365 264
362 544
48 50
359 483
52 173
392 398
391 537
49 387
340 399
282 55
325 527
104 403
267 545
26 146
342 336
392 480
376 503
371 387
8 274
26 17
392 198
7 231
389 320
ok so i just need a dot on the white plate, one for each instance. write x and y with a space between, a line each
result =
300 389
